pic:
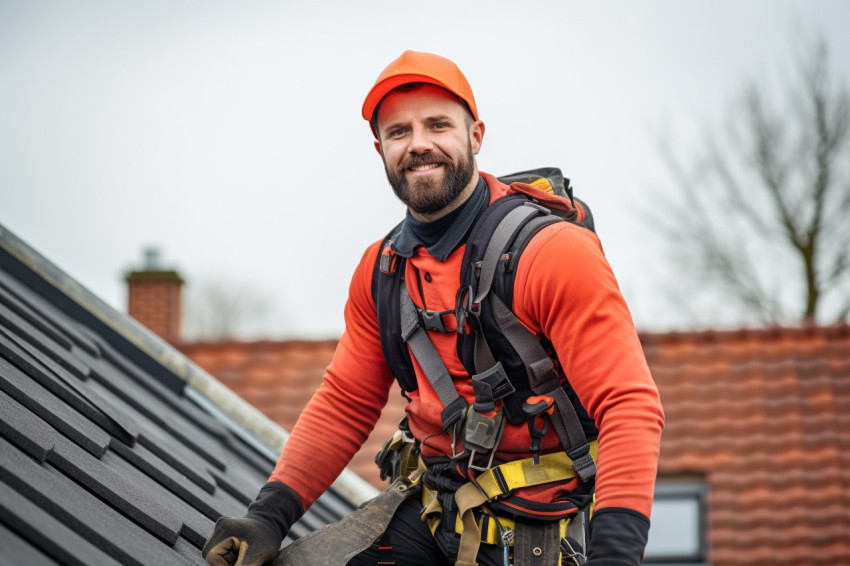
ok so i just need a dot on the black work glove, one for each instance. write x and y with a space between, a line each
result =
254 539
617 537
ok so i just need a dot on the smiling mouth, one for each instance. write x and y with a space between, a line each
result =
425 167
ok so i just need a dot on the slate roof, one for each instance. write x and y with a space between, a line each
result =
267 372
114 448
761 416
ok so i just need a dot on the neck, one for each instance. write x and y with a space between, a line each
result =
454 205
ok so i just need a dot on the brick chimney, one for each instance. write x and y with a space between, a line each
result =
154 297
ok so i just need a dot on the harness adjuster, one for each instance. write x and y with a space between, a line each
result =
538 206
466 310
389 259
583 462
451 416
433 320
489 386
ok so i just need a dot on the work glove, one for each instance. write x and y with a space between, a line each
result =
253 540
618 537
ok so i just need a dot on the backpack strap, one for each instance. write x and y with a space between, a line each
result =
542 376
386 277
545 381
504 232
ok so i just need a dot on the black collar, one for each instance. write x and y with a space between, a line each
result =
442 236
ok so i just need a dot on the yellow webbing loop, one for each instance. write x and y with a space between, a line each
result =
504 478
467 498
432 510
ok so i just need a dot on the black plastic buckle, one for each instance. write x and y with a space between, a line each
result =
452 414
489 386
433 320
461 299
467 311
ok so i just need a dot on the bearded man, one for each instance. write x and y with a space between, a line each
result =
518 492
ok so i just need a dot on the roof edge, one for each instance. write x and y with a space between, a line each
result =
709 335
237 409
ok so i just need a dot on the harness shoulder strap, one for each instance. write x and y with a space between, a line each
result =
416 337
541 373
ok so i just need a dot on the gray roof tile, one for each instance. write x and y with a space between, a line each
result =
53 410
43 530
106 455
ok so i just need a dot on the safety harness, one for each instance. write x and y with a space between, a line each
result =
514 377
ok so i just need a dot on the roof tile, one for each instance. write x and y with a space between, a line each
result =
107 455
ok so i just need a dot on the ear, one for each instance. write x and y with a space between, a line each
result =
476 136
378 148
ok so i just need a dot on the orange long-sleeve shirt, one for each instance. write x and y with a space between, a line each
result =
565 290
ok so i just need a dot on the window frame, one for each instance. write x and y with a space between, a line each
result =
689 489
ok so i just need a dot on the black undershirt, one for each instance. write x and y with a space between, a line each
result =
442 236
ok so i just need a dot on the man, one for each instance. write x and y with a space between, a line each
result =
425 120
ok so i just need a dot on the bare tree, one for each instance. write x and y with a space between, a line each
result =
765 210
221 309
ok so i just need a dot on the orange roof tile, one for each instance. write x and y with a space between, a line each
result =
763 416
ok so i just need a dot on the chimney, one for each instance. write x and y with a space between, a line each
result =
154 296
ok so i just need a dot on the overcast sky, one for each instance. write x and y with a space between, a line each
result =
229 133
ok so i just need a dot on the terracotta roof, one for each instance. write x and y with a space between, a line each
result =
108 455
761 416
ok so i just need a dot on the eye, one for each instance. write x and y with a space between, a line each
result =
439 125
396 132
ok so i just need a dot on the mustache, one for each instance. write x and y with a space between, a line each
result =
414 160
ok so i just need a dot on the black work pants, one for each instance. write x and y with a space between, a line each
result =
408 542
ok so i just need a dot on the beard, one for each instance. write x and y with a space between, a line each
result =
428 195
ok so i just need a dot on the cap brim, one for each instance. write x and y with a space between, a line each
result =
380 90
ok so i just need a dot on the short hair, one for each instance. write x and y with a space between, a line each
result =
410 87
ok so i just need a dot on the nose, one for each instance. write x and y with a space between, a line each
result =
420 141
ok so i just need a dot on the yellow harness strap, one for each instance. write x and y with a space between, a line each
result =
504 478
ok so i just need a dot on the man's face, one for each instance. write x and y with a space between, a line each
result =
427 143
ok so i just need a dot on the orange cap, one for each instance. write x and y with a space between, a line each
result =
419 67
